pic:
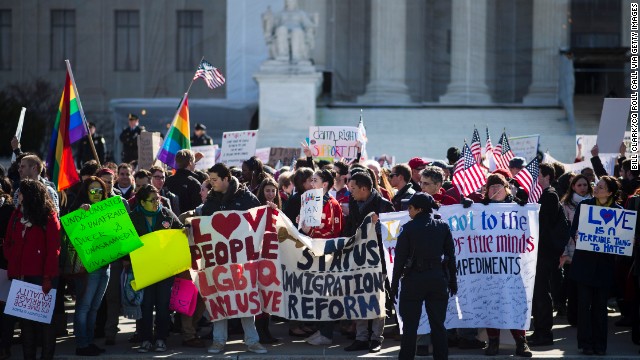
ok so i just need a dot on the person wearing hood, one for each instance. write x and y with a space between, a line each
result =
422 244
228 194
366 200
184 182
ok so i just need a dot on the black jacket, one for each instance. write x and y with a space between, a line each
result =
425 240
186 186
166 220
237 197
292 207
588 267
547 218
403 194
201 140
129 140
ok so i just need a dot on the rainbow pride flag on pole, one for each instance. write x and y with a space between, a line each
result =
68 128
178 137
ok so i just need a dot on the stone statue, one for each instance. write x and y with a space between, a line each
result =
290 34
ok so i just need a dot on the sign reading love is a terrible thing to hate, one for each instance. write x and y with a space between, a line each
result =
606 230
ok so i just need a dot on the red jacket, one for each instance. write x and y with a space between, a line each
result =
37 252
331 225
444 199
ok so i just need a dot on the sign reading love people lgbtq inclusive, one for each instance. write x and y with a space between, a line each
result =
496 248
606 230
238 146
102 234
333 142
252 261
311 211
165 253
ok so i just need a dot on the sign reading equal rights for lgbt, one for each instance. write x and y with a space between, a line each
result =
606 230
252 261
496 249
333 142
102 234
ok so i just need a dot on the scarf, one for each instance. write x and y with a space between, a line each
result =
131 299
577 199
152 214
607 204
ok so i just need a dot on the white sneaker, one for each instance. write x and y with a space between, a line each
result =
215 348
161 346
145 347
320 340
312 336
257 348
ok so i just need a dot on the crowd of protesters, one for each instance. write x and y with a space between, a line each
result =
569 282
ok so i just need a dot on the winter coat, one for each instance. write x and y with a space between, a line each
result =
403 194
331 224
185 185
237 197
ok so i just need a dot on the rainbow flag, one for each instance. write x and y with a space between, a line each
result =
178 137
68 128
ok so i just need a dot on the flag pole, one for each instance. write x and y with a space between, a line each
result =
189 88
84 119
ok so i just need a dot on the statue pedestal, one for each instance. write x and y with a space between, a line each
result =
287 104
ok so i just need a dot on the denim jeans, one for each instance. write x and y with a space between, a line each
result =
248 325
156 296
90 289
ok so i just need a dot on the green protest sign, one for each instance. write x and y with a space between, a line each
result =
102 234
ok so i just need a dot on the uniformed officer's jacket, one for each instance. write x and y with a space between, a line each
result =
129 138
201 140
425 240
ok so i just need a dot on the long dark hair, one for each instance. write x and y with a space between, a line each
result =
613 186
569 194
299 177
327 176
83 197
256 167
37 205
262 198
144 192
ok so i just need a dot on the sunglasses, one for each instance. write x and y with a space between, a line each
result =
95 191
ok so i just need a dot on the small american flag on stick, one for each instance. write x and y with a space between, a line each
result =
528 179
502 152
468 176
476 146
211 75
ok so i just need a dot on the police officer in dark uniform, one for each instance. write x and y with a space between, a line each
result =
85 153
425 260
200 136
129 138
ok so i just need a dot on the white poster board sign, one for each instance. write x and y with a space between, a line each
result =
148 146
238 146
27 301
263 154
613 123
525 146
333 142
209 159
584 144
311 210
606 230
496 249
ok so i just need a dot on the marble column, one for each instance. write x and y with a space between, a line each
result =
468 54
388 48
550 34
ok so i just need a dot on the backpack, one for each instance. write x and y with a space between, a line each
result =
560 232
70 263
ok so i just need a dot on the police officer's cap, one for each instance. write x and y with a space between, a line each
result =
200 127
133 117
423 201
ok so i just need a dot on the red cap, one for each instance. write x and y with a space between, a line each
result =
417 162
503 172
105 171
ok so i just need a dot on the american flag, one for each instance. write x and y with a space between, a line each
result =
468 176
476 146
502 153
528 179
210 74
488 148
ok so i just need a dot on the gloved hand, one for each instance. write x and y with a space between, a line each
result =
46 284
393 292
466 203
521 202
453 287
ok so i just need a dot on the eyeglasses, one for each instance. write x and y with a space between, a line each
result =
159 177
95 191
153 200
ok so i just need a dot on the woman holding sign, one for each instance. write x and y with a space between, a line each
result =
330 227
90 287
593 273
32 247
149 216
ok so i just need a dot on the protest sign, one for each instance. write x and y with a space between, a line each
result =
311 211
184 296
496 254
584 144
613 123
27 301
252 261
165 253
238 146
333 142
283 154
19 130
148 146
606 230
209 159
263 154
102 234
525 146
